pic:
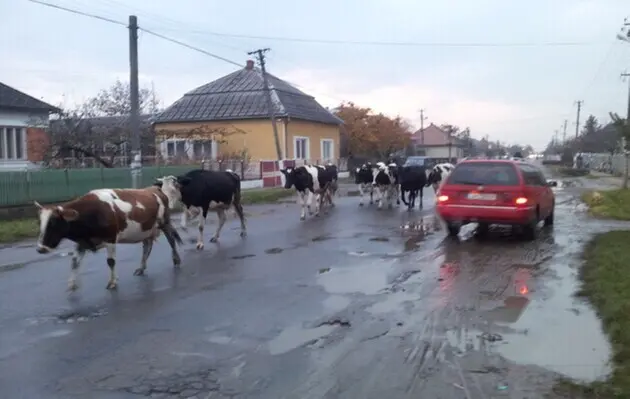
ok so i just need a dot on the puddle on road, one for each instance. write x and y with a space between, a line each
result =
368 279
297 336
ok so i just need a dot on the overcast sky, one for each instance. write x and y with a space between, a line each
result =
511 93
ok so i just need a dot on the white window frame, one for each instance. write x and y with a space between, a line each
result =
189 146
332 149
307 147
3 136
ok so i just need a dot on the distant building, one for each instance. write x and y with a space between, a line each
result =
230 116
23 123
434 142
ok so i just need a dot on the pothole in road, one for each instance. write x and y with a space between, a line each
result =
322 238
78 316
243 256
275 250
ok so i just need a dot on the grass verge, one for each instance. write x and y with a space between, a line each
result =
606 284
20 229
610 204
571 172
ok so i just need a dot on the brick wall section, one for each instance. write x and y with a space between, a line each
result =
37 142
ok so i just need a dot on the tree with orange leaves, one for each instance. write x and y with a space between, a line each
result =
370 134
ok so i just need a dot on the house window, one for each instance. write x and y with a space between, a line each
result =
12 144
202 149
328 152
301 147
176 148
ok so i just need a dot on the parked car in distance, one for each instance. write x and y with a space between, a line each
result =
493 191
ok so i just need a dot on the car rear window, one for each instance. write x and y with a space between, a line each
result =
484 174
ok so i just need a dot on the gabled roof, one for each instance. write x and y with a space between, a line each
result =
434 136
14 99
241 95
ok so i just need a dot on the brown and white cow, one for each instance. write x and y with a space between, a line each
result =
103 218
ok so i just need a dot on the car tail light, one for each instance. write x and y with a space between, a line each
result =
442 198
520 201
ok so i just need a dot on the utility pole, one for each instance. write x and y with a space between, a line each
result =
623 138
577 120
555 137
564 132
422 119
134 118
260 53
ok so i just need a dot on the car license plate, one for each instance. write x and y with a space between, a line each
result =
482 197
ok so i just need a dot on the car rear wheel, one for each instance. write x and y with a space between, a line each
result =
549 218
530 230
482 229
453 229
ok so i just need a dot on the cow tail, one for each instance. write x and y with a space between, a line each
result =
236 201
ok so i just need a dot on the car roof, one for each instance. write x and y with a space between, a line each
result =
516 161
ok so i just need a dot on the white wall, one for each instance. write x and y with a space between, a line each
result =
442 152
16 119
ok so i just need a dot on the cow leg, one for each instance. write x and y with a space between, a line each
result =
174 253
412 199
202 222
371 195
397 194
421 199
361 194
184 220
303 197
241 215
317 200
309 201
391 190
222 219
147 246
77 257
379 197
112 284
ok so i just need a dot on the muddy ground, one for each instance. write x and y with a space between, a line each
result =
359 303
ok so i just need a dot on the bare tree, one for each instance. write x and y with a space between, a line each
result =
98 128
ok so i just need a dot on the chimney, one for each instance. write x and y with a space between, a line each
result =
250 65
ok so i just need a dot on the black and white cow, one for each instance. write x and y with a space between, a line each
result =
413 179
364 178
386 184
438 174
311 181
206 190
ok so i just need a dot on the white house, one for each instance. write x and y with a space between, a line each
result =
23 139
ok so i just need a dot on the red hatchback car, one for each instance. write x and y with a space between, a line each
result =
493 191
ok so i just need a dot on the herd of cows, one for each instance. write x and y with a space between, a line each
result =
103 218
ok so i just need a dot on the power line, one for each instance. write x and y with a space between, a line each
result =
387 43
73 11
188 46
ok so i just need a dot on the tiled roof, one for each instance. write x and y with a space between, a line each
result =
241 95
14 99
434 136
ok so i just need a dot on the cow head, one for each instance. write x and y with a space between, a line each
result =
171 186
435 176
54 224
291 175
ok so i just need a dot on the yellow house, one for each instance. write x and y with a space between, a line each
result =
229 117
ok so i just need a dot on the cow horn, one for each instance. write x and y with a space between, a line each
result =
37 204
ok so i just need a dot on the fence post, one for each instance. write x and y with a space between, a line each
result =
28 185
67 176
242 169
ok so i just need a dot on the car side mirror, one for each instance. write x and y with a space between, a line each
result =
552 183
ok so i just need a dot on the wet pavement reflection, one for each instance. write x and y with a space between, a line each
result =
358 303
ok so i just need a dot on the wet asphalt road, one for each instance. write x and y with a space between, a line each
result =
356 304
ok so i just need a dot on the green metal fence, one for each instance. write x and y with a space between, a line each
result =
58 185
